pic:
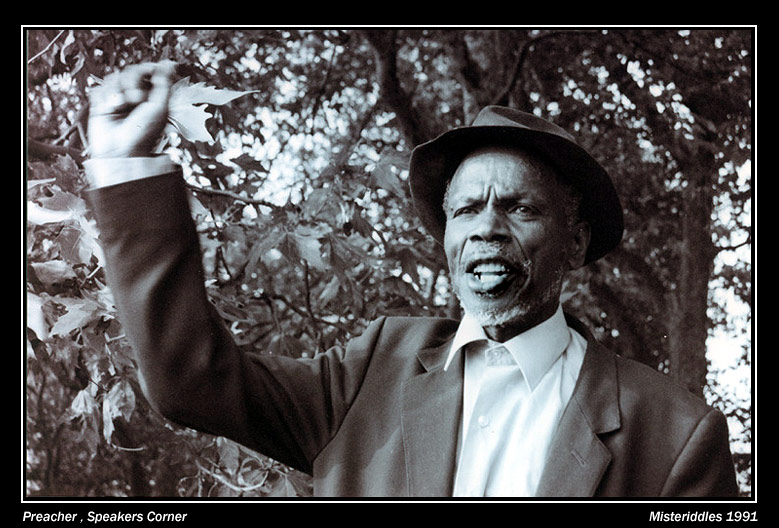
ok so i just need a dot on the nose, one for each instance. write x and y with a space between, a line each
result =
490 226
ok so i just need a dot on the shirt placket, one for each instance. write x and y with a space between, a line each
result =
480 440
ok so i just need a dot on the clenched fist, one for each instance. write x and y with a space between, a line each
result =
128 112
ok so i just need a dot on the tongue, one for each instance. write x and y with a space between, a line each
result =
488 281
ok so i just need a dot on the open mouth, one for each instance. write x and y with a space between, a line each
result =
491 276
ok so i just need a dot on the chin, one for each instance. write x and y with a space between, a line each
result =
501 313
494 317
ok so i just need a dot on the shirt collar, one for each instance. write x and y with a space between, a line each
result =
534 350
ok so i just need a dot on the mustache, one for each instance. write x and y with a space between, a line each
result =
510 255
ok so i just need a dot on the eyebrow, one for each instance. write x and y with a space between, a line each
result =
474 199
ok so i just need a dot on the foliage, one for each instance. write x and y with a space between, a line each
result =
298 190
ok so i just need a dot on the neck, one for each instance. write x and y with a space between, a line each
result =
504 332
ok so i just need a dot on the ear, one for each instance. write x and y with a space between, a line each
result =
580 241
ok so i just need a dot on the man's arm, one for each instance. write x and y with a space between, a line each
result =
705 466
191 370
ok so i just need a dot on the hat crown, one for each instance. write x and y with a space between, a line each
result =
503 116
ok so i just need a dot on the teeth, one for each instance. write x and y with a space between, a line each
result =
490 267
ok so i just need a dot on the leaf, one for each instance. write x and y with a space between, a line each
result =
398 159
120 401
233 233
36 320
309 249
249 164
53 272
82 405
300 483
315 201
385 174
361 225
198 210
408 262
80 312
38 215
63 201
229 455
191 122
78 242
267 241
282 488
185 93
290 484
285 345
187 107
122 397
383 177
78 239
330 291
31 184
69 40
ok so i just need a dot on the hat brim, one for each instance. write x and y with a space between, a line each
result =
433 164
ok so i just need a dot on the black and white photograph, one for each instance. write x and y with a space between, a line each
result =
388 264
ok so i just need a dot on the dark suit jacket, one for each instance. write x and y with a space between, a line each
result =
380 417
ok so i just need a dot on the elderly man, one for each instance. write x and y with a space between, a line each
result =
515 400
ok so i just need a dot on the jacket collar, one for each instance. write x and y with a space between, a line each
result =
534 350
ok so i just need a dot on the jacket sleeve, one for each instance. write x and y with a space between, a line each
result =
191 370
705 466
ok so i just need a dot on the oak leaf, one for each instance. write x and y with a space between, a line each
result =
187 107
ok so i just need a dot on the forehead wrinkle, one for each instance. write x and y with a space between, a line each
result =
496 172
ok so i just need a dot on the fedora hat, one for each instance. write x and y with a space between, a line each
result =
433 164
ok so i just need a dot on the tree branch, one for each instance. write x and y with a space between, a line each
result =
516 71
44 50
392 93
234 196
636 264
735 246
468 70
43 151
309 309
292 306
347 145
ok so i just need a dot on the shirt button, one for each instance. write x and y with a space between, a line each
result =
484 421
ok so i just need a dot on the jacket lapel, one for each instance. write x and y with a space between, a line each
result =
430 423
432 411
578 458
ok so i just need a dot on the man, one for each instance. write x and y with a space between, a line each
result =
515 400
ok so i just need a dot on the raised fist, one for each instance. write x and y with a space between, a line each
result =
129 110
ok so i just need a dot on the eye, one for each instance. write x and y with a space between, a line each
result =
465 210
523 209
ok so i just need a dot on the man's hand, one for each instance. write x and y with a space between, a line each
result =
128 112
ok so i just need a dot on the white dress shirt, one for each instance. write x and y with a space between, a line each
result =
103 172
513 397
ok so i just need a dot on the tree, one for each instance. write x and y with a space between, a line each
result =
307 227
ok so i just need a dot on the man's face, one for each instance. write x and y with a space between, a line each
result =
508 239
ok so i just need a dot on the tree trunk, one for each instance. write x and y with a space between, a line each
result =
688 326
